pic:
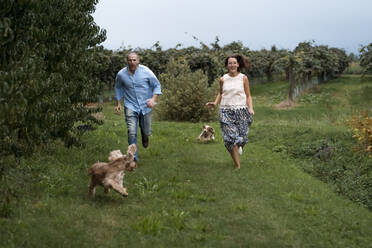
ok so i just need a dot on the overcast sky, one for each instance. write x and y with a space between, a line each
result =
257 24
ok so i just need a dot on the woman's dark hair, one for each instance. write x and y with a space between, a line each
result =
244 62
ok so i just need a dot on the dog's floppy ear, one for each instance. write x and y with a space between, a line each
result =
203 126
131 150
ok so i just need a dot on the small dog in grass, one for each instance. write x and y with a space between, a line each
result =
207 134
111 174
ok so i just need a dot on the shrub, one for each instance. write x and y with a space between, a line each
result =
334 161
362 129
185 93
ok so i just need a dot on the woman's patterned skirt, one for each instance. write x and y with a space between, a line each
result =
235 125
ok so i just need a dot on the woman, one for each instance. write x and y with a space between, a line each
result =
236 107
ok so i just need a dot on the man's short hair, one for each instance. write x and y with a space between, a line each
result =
132 52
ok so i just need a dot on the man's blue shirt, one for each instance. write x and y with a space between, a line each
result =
136 88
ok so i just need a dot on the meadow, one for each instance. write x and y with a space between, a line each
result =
289 192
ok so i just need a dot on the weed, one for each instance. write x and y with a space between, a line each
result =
147 186
150 224
176 218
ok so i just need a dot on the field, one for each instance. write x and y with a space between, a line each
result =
289 191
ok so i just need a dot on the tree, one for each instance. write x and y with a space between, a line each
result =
268 59
46 70
257 64
47 75
343 60
156 58
308 64
108 63
352 57
366 59
293 64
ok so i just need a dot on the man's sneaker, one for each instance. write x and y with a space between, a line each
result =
240 150
145 141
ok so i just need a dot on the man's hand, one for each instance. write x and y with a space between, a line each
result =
118 108
151 102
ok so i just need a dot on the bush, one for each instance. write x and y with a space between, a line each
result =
334 161
362 129
349 172
185 93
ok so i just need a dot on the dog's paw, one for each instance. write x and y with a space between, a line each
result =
125 193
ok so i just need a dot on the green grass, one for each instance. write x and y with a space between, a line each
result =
187 194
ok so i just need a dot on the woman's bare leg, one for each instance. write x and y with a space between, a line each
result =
235 156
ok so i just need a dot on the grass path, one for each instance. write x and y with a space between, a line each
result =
184 194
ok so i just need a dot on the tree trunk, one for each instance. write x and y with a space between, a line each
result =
291 76
269 76
321 77
287 73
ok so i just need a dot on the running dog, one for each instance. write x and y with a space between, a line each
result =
111 174
207 134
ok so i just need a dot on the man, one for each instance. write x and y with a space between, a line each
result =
140 89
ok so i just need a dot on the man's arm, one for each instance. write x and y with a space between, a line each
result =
118 94
118 108
156 89
154 82
152 101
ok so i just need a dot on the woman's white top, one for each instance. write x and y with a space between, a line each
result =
233 94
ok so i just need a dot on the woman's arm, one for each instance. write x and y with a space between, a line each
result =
248 95
219 96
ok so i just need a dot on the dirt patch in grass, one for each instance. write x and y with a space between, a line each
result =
286 104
